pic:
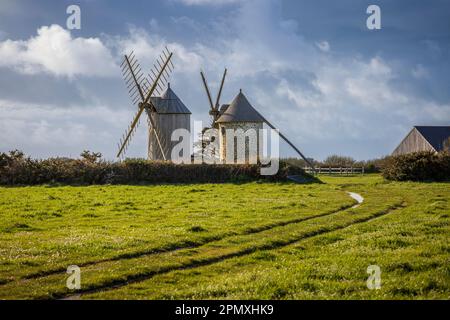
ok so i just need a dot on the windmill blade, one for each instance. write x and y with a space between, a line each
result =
152 123
133 77
169 68
288 142
160 64
165 79
163 68
134 70
207 90
129 131
166 53
157 84
165 73
158 77
146 86
220 90
123 64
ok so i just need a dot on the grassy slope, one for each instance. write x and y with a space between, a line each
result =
227 241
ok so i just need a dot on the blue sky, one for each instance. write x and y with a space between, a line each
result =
311 67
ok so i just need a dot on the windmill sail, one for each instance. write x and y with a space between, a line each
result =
136 81
214 112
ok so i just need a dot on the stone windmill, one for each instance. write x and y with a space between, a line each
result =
240 116
165 111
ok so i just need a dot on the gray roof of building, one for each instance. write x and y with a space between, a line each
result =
169 103
240 110
435 135
223 108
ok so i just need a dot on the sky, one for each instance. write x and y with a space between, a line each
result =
311 67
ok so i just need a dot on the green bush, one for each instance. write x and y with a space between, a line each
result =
16 169
419 166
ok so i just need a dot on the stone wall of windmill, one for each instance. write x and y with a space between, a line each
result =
243 138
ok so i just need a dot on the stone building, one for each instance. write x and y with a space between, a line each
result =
239 127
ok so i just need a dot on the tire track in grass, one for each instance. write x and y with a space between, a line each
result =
190 244
195 263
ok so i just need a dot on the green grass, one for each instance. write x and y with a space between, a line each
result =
227 241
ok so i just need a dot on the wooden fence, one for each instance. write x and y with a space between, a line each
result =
336 170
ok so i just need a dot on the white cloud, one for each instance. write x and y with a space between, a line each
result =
357 99
53 50
147 49
41 130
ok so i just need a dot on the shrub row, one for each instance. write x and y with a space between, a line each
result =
419 166
335 161
16 169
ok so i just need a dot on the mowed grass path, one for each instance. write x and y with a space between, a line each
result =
250 241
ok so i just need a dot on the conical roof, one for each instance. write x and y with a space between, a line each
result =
169 103
240 110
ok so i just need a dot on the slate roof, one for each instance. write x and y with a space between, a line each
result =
435 135
240 110
169 103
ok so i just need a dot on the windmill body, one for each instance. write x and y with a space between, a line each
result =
239 118
169 114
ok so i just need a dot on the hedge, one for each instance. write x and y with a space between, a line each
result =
16 169
419 166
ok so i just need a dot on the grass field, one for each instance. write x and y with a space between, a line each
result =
227 241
